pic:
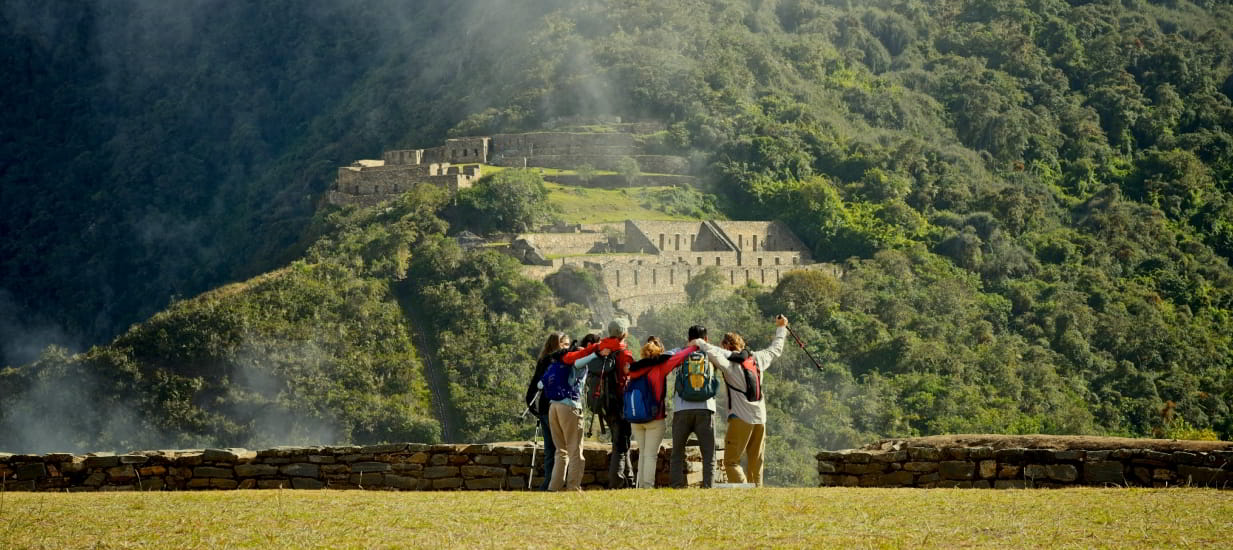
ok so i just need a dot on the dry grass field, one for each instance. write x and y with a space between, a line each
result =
816 518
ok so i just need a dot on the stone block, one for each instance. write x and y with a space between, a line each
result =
363 467
321 459
1068 456
151 471
1035 471
1010 484
133 459
273 484
407 468
1062 472
1142 474
121 474
335 469
924 453
921 467
306 483
246 484
835 456
1182 457
439 472
890 456
485 484
957 469
929 478
858 457
439 460
102 461
987 469
219 483
228 456
955 453
980 453
212 471
1039 456
482 471
459 460
1011 456
1097 456
255 470
516 483
829 480
152 484
405 483
1108 471
861 469
825 467
419 458
95 479
1163 474
356 457
523 460
447 483
417 447
488 460
869 480
1202 476
370 479
897 479
74 466
384 448
1009 471
199 483
33 470
301 469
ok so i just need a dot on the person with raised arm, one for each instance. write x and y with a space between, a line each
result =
742 371
620 471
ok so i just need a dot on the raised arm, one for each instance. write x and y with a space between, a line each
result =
772 352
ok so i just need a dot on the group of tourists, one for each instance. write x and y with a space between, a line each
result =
628 396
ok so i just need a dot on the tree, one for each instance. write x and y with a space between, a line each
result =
509 201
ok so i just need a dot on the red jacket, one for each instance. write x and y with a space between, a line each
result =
624 357
657 369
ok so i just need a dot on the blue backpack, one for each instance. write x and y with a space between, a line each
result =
556 382
640 403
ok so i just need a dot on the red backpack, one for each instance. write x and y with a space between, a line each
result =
753 381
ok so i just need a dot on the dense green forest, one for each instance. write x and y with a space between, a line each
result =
1030 199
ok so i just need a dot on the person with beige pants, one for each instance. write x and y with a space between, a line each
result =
746 406
565 422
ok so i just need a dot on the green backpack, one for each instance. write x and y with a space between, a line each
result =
695 378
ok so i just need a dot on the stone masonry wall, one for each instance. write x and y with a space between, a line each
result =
984 467
402 466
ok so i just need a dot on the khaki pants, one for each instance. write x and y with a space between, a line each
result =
744 438
566 424
648 435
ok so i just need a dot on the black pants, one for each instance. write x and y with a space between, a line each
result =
620 471
550 452
701 423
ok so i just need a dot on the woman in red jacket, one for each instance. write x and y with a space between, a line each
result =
655 365
620 471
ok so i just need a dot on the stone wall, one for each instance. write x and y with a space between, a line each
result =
369 185
993 464
505 147
403 466
612 181
650 164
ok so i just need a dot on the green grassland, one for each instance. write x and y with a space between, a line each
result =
830 517
591 205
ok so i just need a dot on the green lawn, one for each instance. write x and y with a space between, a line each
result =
588 205
829 517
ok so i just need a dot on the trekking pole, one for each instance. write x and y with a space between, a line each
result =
534 400
534 449
802 345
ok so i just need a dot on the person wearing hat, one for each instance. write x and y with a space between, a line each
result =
620 470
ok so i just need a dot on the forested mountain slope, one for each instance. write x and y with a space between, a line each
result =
1031 197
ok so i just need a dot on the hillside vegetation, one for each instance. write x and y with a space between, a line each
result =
1030 199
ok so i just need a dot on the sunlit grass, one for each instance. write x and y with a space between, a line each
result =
593 205
828 517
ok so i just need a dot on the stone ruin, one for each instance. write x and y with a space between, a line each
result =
390 467
456 164
646 264
1022 462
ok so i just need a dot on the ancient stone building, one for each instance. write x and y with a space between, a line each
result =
645 264
456 164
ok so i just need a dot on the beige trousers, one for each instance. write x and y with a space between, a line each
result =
566 424
748 439
648 435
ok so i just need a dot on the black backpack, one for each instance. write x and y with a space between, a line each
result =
603 389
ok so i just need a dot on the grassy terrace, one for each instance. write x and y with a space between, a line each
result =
588 205
831 517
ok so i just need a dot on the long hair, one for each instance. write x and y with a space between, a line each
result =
552 345
652 348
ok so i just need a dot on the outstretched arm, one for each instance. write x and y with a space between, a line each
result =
773 351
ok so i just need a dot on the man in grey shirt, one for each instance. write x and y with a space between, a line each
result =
746 407
693 417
